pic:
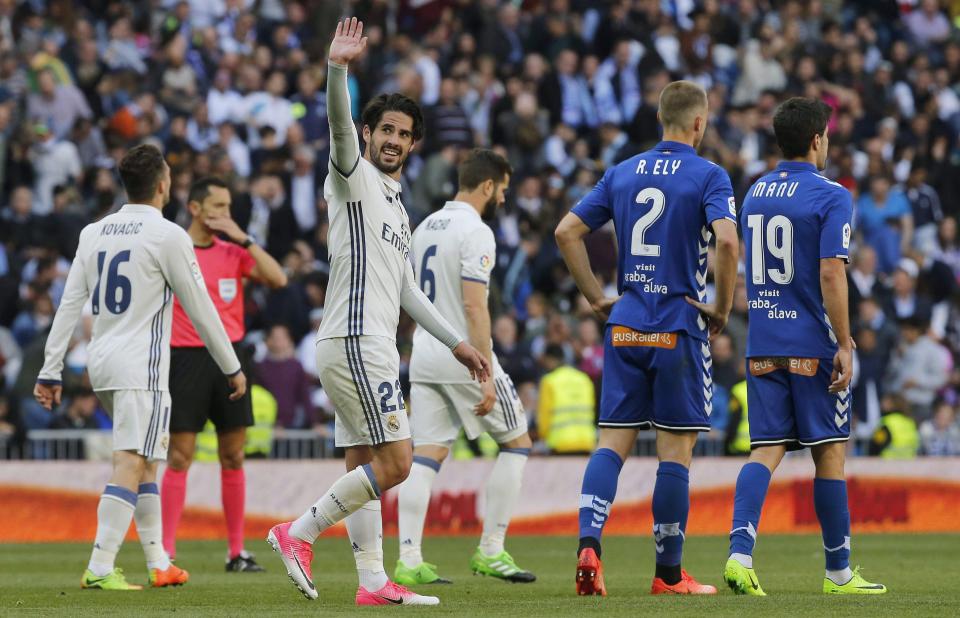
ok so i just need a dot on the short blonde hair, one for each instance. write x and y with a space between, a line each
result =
680 102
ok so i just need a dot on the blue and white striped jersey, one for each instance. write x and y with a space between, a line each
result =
662 203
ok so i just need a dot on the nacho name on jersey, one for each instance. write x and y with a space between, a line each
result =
766 301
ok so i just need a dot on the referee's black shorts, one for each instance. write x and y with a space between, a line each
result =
199 390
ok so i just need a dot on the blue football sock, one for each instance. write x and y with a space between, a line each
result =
671 505
830 502
752 486
596 496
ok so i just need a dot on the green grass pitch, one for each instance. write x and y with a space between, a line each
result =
921 572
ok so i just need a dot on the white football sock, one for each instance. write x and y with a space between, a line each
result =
743 559
113 520
840 577
412 504
350 492
150 527
365 527
501 493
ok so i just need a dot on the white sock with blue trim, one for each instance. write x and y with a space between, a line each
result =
413 501
113 520
501 493
365 527
150 526
350 492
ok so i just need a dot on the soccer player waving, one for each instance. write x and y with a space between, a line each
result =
359 366
129 265
796 226
657 363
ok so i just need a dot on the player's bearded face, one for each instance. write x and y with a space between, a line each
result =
496 200
391 142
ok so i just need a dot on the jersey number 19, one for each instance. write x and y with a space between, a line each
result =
777 237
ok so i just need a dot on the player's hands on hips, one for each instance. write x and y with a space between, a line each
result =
489 393
604 306
237 382
228 227
716 317
348 41
842 368
473 360
48 395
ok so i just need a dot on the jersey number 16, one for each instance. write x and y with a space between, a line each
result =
117 294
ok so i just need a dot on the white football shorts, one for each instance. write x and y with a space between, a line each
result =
361 376
438 411
141 421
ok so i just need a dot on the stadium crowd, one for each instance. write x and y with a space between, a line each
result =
564 88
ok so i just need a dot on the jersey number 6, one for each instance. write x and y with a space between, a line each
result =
426 275
117 294
658 201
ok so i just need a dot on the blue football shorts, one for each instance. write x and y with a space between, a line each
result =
788 403
661 380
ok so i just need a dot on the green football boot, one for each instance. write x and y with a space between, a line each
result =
114 581
856 585
426 573
742 580
501 566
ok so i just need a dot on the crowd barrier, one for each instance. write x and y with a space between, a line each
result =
57 500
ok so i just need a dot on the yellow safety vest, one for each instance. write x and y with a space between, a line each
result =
566 413
738 397
904 437
260 436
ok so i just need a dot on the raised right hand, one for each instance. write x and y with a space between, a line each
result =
348 42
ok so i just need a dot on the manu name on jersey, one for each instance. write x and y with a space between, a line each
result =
662 203
791 219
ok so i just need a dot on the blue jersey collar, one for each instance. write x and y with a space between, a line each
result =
675 146
797 166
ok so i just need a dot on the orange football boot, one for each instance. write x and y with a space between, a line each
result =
590 574
686 585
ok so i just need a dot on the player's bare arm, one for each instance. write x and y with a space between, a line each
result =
478 331
833 286
725 276
569 235
267 270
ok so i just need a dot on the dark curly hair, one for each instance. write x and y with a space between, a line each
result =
395 102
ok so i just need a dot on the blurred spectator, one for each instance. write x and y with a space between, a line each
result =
80 411
919 368
57 106
940 435
897 436
925 208
884 216
566 414
55 162
282 375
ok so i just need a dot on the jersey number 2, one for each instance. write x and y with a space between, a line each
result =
777 237
117 294
657 201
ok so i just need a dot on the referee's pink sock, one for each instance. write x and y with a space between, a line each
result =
233 490
173 493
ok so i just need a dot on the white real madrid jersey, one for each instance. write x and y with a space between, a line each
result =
129 265
450 246
369 244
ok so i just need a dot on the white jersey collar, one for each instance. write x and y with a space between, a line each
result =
457 205
140 209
